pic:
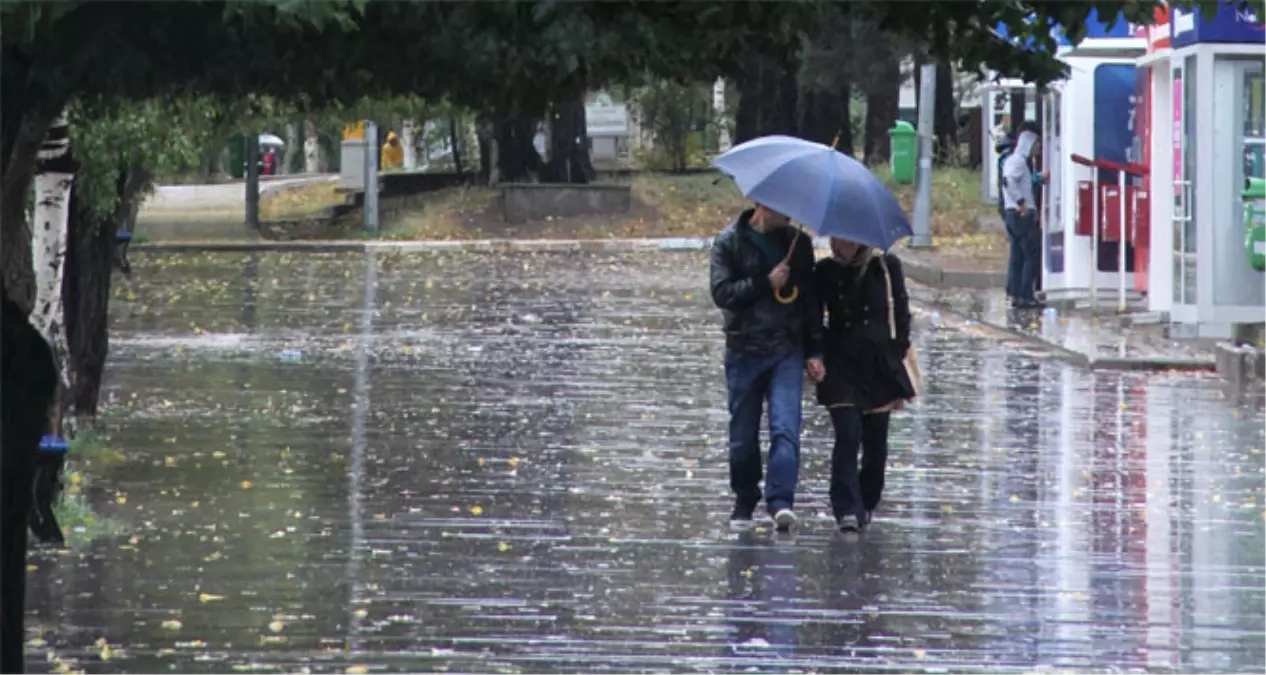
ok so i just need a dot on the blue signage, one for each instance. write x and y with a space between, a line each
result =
1231 25
1115 100
1096 29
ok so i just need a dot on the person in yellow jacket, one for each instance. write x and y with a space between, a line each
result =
392 156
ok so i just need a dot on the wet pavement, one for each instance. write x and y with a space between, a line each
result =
1099 338
515 463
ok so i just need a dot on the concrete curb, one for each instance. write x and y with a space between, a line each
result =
1240 365
1083 360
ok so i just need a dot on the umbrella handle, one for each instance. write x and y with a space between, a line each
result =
795 290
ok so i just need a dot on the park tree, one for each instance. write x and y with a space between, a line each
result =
120 151
672 112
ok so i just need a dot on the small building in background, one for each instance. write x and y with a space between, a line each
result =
607 125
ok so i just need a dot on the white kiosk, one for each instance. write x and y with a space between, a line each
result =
995 101
1153 273
1090 117
1218 134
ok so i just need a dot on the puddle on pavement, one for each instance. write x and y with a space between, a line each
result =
515 463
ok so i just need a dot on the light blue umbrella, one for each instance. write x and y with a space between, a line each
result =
819 187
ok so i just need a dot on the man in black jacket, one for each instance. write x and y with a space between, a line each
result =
768 342
29 383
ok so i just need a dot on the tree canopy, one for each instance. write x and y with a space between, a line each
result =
507 58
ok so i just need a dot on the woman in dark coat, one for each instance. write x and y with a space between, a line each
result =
867 337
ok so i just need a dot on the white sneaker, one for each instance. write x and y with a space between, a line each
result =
784 519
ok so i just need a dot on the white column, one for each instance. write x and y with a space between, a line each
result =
1160 271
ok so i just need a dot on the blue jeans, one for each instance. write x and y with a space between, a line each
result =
1026 254
751 380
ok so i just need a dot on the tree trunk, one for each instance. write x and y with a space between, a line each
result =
455 144
22 142
569 160
782 117
883 105
506 147
489 171
86 290
252 181
290 158
945 119
408 142
825 113
312 160
54 176
767 98
747 116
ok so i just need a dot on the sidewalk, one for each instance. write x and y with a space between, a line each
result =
186 213
969 285
1095 342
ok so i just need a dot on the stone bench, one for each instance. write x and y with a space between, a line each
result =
524 202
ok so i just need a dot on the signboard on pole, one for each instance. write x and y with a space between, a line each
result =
607 120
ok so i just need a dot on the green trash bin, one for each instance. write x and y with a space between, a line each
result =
1254 197
904 151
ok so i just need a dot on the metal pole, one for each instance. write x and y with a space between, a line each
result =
1095 229
371 177
923 189
1121 248
252 181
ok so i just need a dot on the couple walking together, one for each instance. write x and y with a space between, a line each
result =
773 298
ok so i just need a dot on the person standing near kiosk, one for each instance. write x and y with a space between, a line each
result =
1020 215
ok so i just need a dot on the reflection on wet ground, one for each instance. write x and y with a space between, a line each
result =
515 463
1098 337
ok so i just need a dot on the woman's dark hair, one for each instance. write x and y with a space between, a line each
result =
1027 125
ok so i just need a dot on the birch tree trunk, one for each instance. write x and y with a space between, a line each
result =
54 175
409 144
312 160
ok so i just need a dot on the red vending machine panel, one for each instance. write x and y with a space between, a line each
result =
1085 208
1110 212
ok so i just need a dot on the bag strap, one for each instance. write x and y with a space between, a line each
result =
892 312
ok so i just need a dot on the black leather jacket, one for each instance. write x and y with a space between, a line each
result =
754 321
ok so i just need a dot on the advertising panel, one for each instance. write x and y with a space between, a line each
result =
1231 25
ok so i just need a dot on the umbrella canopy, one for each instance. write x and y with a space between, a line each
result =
270 139
823 189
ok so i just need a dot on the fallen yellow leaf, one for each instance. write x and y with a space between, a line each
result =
207 597
477 510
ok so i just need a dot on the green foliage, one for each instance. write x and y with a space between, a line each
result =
673 112
155 137
81 523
